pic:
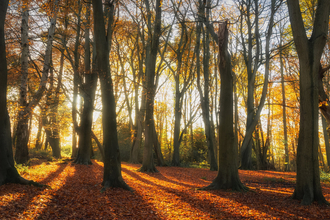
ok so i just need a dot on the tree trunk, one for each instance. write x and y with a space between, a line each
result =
308 187
139 112
39 140
21 154
75 85
286 148
253 117
151 57
227 177
158 150
177 120
88 91
112 168
326 140
8 172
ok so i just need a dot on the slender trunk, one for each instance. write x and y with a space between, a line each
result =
326 140
287 160
39 140
157 147
21 155
253 118
151 57
177 120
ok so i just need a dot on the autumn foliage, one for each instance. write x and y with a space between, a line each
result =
74 193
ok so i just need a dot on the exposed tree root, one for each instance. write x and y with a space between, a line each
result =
13 176
308 199
148 169
83 161
224 185
120 183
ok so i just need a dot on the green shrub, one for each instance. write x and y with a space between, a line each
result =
325 177
66 151
41 154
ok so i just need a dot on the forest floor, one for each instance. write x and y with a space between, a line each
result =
74 192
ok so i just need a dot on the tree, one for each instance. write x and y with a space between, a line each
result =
22 154
182 80
308 188
204 95
252 67
112 168
88 93
151 57
227 177
8 172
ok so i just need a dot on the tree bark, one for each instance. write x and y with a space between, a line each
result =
75 84
253 117
88 91
21 155
326 140
157 148
286 148
112 168
151 57
8 172
227 177
308 187
22 152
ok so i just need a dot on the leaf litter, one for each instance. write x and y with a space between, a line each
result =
74 192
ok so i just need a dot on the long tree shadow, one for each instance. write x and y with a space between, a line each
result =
80 198
268 201
185 196
20 204
277 203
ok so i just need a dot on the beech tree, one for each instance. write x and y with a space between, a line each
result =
22 154
253 62
112 168
88 93
308 187
227 177
8 172
151 57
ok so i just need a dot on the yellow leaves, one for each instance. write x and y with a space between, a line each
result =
323 103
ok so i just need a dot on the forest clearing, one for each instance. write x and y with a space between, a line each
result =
74 192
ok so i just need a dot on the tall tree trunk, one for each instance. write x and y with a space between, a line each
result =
88 91
75 85
246 150
8 172
22 152
151 57
21 155
49 118
112 168
227 177
177 120
286 148
308 187
253 118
